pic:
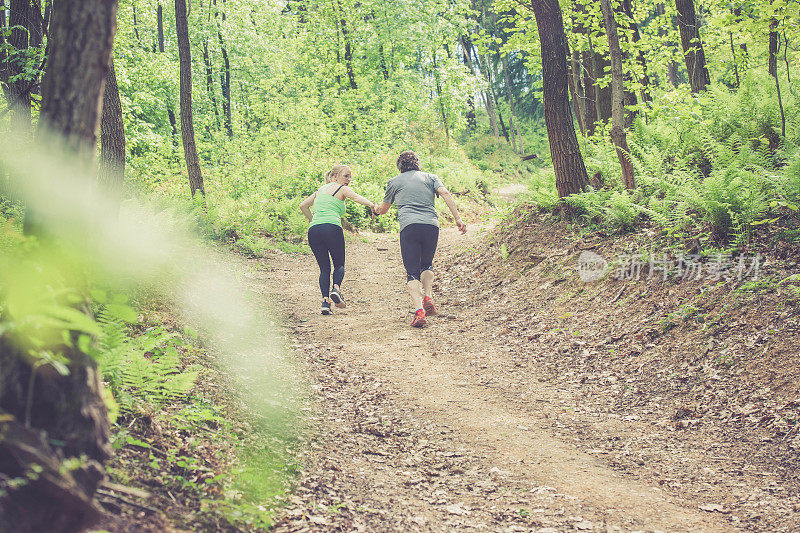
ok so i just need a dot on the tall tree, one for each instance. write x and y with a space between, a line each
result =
439 96
348 45
68 408
74 82
225 77
161 48
644 80
514 120
583 71
160 26
471 119
618 104
692 46
772 64
26 30
565 152
210 79
672 66
575 90
488 95
187 119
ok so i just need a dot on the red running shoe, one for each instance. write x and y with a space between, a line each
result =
427 305
419 319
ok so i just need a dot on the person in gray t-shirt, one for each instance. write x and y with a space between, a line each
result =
414 193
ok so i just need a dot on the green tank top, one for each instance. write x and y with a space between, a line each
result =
327 209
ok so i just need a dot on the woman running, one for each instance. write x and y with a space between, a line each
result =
325 236
414 192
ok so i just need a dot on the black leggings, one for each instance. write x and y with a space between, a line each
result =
324 240
417 246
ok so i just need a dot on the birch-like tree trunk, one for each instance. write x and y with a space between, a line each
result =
617 97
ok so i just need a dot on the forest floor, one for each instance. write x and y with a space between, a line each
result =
536 402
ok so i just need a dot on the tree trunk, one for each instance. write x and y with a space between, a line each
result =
692 46
773 69
173 123
439 95
488 98
618 106
602 95
672 67
565 152
160 23
644 81
488 95
3 52
348 48
384 68
733 60
503 125
187 120
53 500
513 121
70 408
73 83
590 94
210 80
225 77
629 96
772 63
583 79
37 31
471 119
136 27
577 104
575 90
19 97
112 139
600 62
161 49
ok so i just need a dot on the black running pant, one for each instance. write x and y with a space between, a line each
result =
417 246
328 240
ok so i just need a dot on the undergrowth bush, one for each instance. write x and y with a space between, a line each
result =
254 188
143 371
710 165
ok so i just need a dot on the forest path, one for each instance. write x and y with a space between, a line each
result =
437 429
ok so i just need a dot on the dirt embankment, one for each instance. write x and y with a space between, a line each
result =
689 381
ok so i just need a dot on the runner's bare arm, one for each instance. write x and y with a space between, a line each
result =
350 193
451 204
382 208
305 206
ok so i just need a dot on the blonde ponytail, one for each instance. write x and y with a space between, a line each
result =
335 171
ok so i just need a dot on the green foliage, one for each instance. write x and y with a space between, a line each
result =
704 164
496 156
144 369
617 210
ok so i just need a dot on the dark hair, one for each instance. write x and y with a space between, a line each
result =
408 160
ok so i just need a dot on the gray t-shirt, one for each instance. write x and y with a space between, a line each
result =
413 193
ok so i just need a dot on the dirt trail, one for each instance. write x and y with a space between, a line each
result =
438 429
